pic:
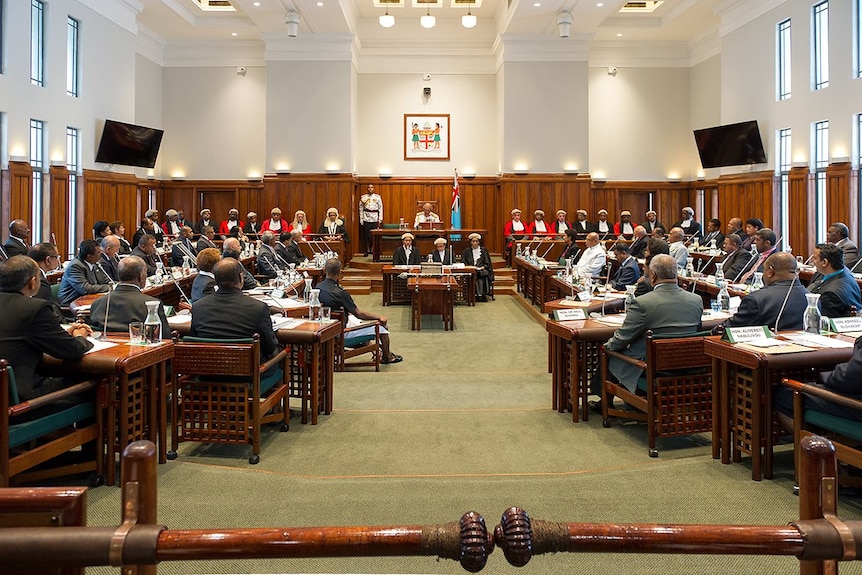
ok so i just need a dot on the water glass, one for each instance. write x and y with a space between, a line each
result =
136 332
715 306
325 313
824 324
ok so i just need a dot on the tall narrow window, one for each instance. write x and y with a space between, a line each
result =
72 45
782 170
37 43
2 36
820 43
73 163
37 161
857 38
782 60
821 162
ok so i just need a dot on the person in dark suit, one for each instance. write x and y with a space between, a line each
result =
228 314
127 303
30 328
713 232
571 251
736 259
441 255
148 227
268 262
734 227
153 216
252 226
651 223
292 252
45 256
638 246
839 292
204 283
16 243
101 229
146 250
231 248
690 227
119 230
206 239
477 255
406 254
333 296
80 277
581 225
333 227
183 247
839 234
655 246
668 309
628 272
752 226
108 260
763 306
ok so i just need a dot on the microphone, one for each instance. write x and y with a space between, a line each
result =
852 270
812 255
112 282
786 297
605 294
547 250
182 293
104 335
745 267
187 252
53 239
706 265
3 252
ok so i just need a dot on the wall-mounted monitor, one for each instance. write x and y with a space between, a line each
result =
730 145
129 145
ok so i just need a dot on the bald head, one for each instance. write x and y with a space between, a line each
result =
592 239
132 270
231 244
228 273
779 266
640 232
676 235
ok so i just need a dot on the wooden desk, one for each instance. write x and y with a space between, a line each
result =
534 282
137 408
432 295
311 363
316 243
395 291
168 293
742 382
383 246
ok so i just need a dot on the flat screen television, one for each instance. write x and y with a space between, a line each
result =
129 145
730 145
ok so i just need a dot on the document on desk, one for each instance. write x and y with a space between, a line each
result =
99 345
281 322
286 302
770 345
814 340
615 320
609 295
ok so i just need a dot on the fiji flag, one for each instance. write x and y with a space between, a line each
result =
456 204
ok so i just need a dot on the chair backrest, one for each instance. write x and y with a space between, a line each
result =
435 206
671 352
206 356
7 379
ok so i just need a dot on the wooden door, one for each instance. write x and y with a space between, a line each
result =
219 202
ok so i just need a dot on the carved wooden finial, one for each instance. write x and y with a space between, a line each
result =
476 542
514 535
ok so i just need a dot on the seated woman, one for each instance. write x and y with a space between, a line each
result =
572 250
274 224
539 228
333 227
300 222
514 229
476 255
120 231
236 232
101 229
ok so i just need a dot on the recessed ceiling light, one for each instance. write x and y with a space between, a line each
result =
619 35
600 4
320 3
233 33
257 4
536 4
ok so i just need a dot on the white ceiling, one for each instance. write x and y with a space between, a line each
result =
675 21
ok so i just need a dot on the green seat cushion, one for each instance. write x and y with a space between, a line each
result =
268 381
840 425
192 339
390 226
21 433
642 384
14 399
357 341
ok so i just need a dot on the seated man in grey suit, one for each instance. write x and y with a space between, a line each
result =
146 250
19 235
80 277
108 261
628 272
782 290
268 261
204 283
735 258
839 234
667 309
127 303
183 247
46 257
839 292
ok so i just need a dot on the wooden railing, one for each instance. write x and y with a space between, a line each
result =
818 539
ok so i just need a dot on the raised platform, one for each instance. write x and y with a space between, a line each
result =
363 276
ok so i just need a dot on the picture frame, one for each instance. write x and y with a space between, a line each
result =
426 137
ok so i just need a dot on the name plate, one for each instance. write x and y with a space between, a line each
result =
569 314
746 334
276 294
846 324
584 295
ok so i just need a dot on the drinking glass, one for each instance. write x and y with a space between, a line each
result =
136 332
325 313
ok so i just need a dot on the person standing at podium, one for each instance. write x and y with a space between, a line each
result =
406 254
441 255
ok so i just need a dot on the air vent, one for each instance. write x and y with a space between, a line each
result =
641 6
215 5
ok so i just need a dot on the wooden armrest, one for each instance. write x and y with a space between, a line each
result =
274 360
364 324
50 398
625 358
815 391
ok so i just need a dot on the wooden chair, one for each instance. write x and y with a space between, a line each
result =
675 396
31 443
844 433
222 393
350 346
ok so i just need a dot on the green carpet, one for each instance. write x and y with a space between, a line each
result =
463 423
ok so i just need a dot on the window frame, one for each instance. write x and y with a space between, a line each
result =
782 170
73 164
73 57
783 60
820 45
37 43
820 154
37 163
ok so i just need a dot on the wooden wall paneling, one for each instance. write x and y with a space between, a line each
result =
635 201
17 194
219 202
840 200
108 196
801 205
853 217
58 209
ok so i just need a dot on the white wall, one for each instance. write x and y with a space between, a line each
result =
148 98
308 116
383 99
545 122
705 98
748 74
215 122
640 124
107 85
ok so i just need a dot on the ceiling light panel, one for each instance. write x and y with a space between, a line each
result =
215 5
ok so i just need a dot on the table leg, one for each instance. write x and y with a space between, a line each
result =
315 383
162 395
768 435
756 425
328 372
111 432
716 409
